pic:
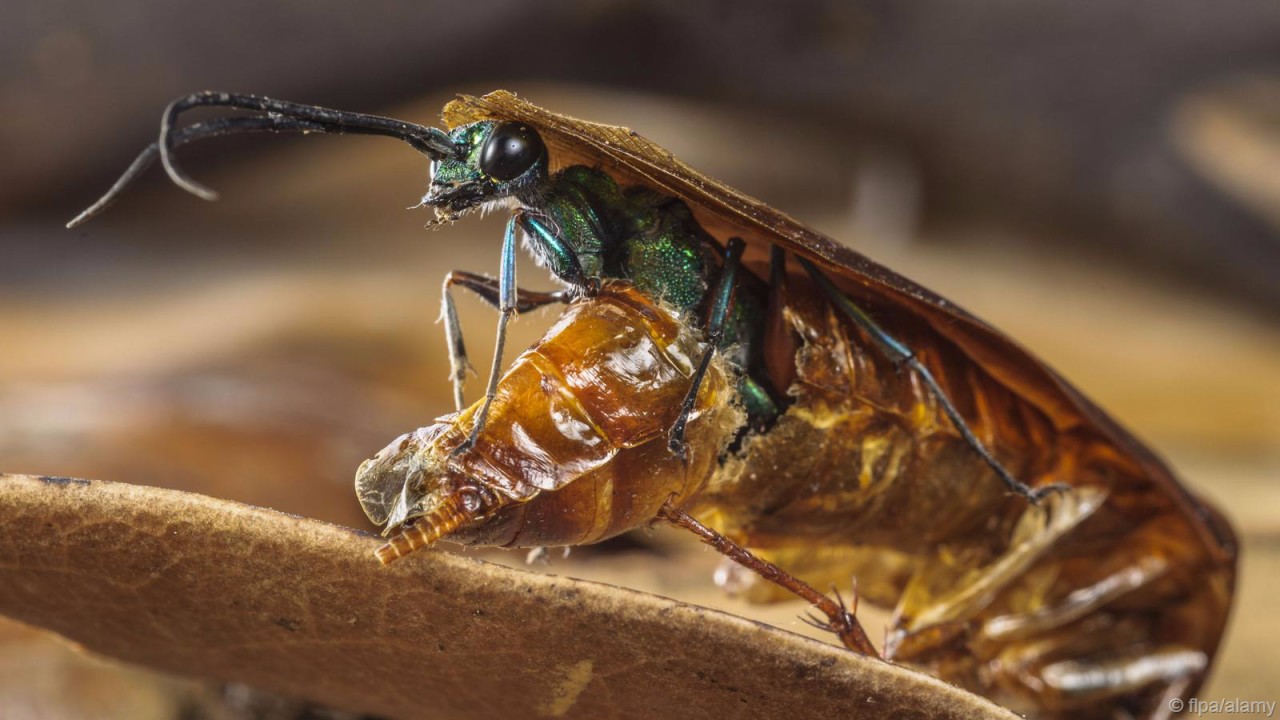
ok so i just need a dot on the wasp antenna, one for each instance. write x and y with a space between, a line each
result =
166 150
275 116
182 136
140 163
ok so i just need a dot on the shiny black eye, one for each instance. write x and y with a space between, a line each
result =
512 148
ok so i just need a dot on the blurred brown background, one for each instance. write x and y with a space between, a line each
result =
1101 181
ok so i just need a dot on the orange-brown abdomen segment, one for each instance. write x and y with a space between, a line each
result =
574 449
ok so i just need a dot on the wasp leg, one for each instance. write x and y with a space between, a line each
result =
560 257
506 308
722 304
839 620
568 269
488 290
903 356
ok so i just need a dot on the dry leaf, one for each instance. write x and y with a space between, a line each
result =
199 586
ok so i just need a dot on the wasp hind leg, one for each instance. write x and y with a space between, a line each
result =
721 306
903 356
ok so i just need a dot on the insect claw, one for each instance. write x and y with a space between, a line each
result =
464 369
839 598
812 620
1054 488
677 446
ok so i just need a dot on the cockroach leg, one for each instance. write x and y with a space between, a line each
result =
838 618
489 290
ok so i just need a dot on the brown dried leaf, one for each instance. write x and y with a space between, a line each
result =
207 587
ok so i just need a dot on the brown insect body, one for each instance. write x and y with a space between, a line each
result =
1109 598
1094 599
574 449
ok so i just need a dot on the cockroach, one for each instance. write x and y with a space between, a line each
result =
724 368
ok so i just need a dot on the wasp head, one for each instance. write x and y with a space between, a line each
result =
494 161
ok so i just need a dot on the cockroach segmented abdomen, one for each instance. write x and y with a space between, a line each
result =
422 533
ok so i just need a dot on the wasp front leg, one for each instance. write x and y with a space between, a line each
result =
508 302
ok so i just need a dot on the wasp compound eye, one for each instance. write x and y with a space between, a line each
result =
512 148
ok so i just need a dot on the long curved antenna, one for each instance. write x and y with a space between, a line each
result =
277 116
191 133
